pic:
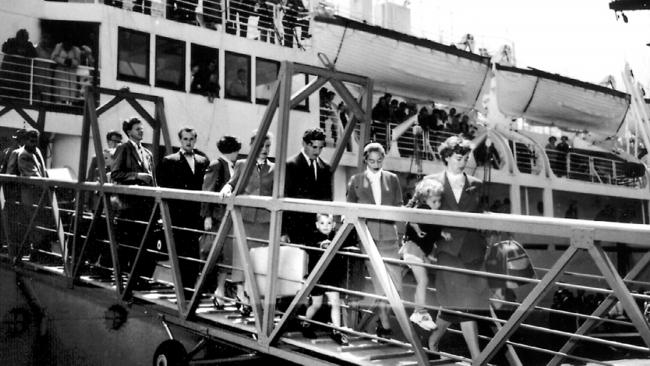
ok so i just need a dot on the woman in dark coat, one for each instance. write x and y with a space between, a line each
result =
465 249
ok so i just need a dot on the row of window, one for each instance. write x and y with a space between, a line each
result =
133 66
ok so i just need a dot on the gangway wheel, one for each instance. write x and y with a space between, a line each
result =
170 353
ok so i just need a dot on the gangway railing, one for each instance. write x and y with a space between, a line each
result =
132 245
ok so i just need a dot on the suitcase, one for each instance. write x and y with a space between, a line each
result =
292 269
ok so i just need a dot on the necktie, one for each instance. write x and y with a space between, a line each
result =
314 167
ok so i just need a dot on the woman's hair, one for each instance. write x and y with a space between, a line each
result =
228 144
254 134
373 147
454 145
424 190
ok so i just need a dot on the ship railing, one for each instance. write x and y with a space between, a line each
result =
42 82
132 253
275 23
596 169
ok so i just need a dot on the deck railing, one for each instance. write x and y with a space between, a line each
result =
38 81
266 21
132 254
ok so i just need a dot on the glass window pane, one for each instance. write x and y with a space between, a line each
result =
298 82
133 56
237 78
170 63
266 73
205 71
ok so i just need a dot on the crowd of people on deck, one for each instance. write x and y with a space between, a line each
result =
45 72
281 21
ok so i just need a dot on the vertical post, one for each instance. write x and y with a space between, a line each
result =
380 276
278 192
110 229
533 298
173 255
31 81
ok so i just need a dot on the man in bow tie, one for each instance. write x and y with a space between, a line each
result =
185 170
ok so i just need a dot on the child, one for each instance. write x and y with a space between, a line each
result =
418 246
322 239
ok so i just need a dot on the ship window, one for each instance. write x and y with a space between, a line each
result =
170 63
298 82
237 78
205 71
132 56
266 73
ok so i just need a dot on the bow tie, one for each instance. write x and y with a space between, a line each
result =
188 153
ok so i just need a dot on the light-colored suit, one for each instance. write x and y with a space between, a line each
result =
360 191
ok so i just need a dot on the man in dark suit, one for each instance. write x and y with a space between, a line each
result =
185 170
309 177
133 165
216 176
376 186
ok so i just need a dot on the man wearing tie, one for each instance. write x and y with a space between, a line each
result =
184 170
309 177
133 165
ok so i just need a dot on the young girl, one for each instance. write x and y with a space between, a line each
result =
322 239
419 241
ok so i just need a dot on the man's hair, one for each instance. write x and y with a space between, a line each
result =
128 124
254 134
313 134
373 147
112 133
552 138
32 133
187 129
228 144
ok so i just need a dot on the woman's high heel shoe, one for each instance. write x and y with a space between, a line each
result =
215 302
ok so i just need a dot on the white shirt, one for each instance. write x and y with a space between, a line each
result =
190 159
140 150
375 184
309 162
457 183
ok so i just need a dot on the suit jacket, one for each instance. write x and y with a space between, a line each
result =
128 164
175 172
360 191
31 165
259 184
466 244
300 183
216 176
12 161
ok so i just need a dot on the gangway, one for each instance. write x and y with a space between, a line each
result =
83 236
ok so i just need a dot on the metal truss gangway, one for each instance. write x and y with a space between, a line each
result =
139 260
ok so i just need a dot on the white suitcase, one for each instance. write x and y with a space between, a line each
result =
292 269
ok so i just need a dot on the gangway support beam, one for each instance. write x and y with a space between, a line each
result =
621 291
133 275
282 134
533 298
250 282
602 309
316 273
215 251
381 279
173 254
